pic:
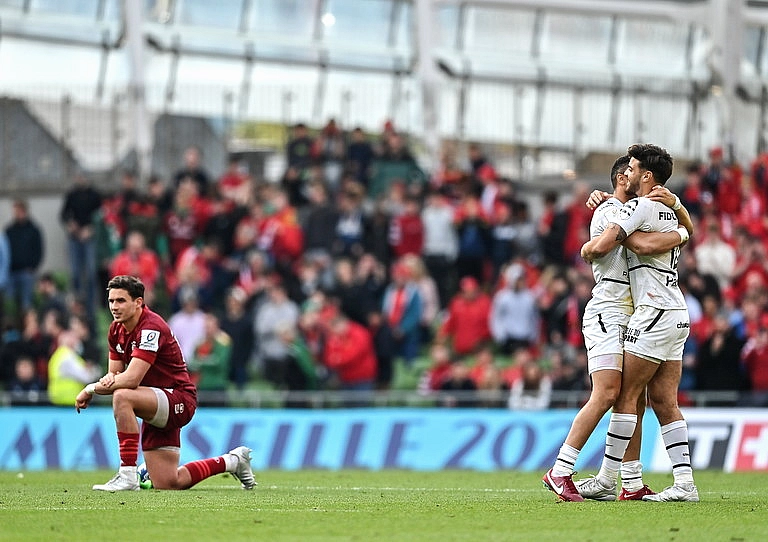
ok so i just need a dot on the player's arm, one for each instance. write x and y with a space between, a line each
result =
129 379
662 194
116 366
596 198
646 243
611 237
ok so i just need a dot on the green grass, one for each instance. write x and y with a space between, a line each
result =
361 506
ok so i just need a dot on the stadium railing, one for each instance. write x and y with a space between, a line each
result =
399 398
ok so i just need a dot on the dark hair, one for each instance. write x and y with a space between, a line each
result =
132 285
59 318
619 166
654 159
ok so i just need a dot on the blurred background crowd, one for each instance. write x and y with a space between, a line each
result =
359 271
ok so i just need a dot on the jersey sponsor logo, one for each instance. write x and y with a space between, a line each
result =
150 340
666 215
683 325
631 335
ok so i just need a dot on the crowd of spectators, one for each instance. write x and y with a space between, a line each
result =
358 266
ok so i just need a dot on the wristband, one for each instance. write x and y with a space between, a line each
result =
684 236
676 206
90 389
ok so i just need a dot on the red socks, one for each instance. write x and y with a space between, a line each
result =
129 448
200 470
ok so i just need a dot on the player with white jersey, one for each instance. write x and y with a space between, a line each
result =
604 325
656 333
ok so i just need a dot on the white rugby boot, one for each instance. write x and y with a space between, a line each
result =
124 480
592 488
675 493
243 470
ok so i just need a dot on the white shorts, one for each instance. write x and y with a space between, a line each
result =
604 340
657 334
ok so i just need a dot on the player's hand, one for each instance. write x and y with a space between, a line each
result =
108 379
596 198
662 194
82 400
584 254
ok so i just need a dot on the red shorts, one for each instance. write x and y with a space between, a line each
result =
181 408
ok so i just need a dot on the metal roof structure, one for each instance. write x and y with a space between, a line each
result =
567 76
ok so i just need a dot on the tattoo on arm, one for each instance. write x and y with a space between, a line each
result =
620 233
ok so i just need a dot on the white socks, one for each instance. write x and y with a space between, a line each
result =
566 459
620 429
675 436
230 462
632 475
128 472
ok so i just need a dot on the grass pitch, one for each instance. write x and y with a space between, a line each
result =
362 506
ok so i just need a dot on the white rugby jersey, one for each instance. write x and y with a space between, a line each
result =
653 278
611 292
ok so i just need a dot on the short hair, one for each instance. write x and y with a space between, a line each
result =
132 285
619 166
654 159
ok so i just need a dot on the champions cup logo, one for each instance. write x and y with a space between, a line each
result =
150 340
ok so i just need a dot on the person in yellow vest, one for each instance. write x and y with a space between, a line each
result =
68 371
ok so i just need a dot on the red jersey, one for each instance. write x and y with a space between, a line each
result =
152 341
406 235
351 354
467 322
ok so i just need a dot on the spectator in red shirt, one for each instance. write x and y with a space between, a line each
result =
185 222
439 371
467 322
485 372
755 359
751 271
350 354
579 217
281 233
406 230
234 183
729 191
138 261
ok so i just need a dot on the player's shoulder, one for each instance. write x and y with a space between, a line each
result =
152 321
607 208
153 331
635 206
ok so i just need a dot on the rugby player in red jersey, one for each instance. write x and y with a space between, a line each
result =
148 379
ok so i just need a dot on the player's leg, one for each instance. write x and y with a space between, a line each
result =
161 441
621 426
236 461
632 486
603 338
127 404
605 388
662 391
